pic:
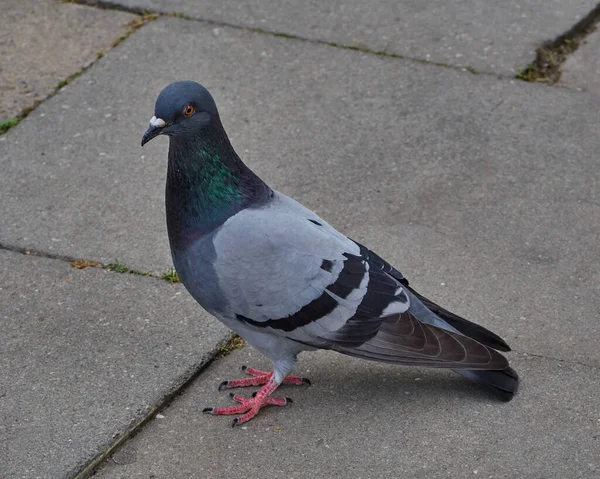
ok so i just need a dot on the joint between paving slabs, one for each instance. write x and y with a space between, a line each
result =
170 276
108 5
132 26
222 349
546 68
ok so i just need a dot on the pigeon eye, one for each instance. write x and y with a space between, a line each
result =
188 110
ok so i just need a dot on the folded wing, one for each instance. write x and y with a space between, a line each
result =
288 273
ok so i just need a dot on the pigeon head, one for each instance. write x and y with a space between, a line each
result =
183 109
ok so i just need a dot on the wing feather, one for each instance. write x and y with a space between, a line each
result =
297 277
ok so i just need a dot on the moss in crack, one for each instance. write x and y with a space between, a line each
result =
235 342
8 124
14 121
546 67
133 26
117 267
180 15
69 79
551 55
171 276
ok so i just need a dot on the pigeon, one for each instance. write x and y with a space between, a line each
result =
285 280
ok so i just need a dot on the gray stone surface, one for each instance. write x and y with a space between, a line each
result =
364 420
491 36
83 355
582 68
484 192
42 42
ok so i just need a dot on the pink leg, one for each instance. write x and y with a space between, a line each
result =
250 406
297 380
258 379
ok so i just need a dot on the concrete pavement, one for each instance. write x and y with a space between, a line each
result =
487 161
582 69
85 356
482 190
365 420
498 37
44 42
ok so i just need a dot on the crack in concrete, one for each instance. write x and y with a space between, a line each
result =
562 45
132 27
32 252
222 349
546 68
81 263
117 267
109 5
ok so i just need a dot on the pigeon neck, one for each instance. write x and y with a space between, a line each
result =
207 183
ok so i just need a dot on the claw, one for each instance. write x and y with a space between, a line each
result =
223 385
249 407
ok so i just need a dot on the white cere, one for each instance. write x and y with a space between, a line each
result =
157 122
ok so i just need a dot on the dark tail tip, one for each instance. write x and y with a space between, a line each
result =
503 384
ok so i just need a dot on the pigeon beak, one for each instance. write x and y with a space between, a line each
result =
155 129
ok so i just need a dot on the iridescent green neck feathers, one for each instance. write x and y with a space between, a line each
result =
206 184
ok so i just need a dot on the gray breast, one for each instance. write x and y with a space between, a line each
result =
195 267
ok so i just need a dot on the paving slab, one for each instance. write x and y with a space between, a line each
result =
84 355
43 42
582 68
484 192
363 420
499 37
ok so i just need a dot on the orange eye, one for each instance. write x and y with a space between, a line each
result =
188 110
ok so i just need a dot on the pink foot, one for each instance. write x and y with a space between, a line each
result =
249 407
259 378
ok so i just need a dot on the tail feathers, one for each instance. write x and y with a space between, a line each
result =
404 339
472 330
503 383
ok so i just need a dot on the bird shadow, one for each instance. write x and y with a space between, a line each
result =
381 384
341 385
